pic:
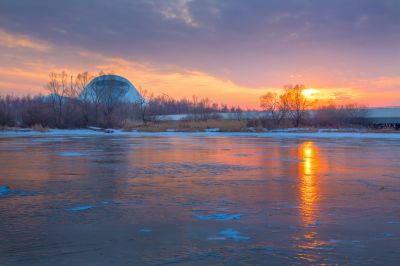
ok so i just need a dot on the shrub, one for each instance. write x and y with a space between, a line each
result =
40 128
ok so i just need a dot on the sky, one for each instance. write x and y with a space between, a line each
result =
231 51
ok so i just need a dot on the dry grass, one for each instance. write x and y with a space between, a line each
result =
195 126
129 126
383 130
40 128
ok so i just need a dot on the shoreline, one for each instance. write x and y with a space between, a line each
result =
267 134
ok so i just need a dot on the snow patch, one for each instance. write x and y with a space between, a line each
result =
215 129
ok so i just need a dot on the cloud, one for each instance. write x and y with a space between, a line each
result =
383 83
178 10
176 82
22 41
227 50
29 73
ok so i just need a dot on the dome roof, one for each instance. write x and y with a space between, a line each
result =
110 87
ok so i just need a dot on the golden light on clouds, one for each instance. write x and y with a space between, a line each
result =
25 63
21 41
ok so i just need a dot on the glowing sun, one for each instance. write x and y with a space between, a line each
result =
310 93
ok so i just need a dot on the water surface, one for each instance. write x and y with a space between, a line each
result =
116 200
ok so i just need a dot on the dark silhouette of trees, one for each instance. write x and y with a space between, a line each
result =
297 103
69 105
291 104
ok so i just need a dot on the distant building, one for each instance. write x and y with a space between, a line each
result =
107 88
383 117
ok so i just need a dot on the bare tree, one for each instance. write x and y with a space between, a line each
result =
111 97
275 105
58 88
82 80
293 98
143 104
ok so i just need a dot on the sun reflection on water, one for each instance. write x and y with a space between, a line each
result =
308 188
309 196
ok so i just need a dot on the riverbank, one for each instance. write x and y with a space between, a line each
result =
288 133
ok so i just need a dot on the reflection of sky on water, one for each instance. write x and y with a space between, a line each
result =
295 198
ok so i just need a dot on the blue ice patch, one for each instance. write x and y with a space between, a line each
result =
26 194
233 234
218 217
70 154
317 223
82 208
4 190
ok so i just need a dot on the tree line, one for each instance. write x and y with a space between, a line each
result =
293 108
67 105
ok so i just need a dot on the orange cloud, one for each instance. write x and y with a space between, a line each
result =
31 74
21 41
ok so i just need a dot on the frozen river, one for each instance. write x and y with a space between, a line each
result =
198 200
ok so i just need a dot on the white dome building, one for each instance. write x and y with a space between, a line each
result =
108 88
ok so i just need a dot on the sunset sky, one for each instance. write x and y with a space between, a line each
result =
229 50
